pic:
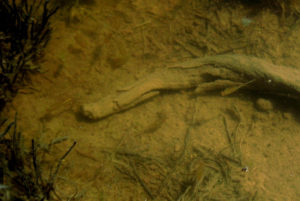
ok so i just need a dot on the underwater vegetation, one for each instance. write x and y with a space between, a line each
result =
24 32
22 176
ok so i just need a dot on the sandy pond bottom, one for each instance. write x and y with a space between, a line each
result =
175 146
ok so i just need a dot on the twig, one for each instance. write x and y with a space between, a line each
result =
35 166
229 136
52 178
138 178
6 130
195 53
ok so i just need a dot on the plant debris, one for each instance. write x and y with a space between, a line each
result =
196 173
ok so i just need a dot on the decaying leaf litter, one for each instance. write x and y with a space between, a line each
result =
190 168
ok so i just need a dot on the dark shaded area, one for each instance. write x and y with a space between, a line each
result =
24 32
71 3
69 7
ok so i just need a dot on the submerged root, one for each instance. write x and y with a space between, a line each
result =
229 72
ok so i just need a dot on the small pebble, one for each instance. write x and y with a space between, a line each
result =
264 105
245 169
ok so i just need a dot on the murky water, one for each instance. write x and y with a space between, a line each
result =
174 144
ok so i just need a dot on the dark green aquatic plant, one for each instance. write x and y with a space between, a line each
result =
24 32
22 176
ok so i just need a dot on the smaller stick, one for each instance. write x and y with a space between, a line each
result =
35 166
138 178
60 162
6 130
